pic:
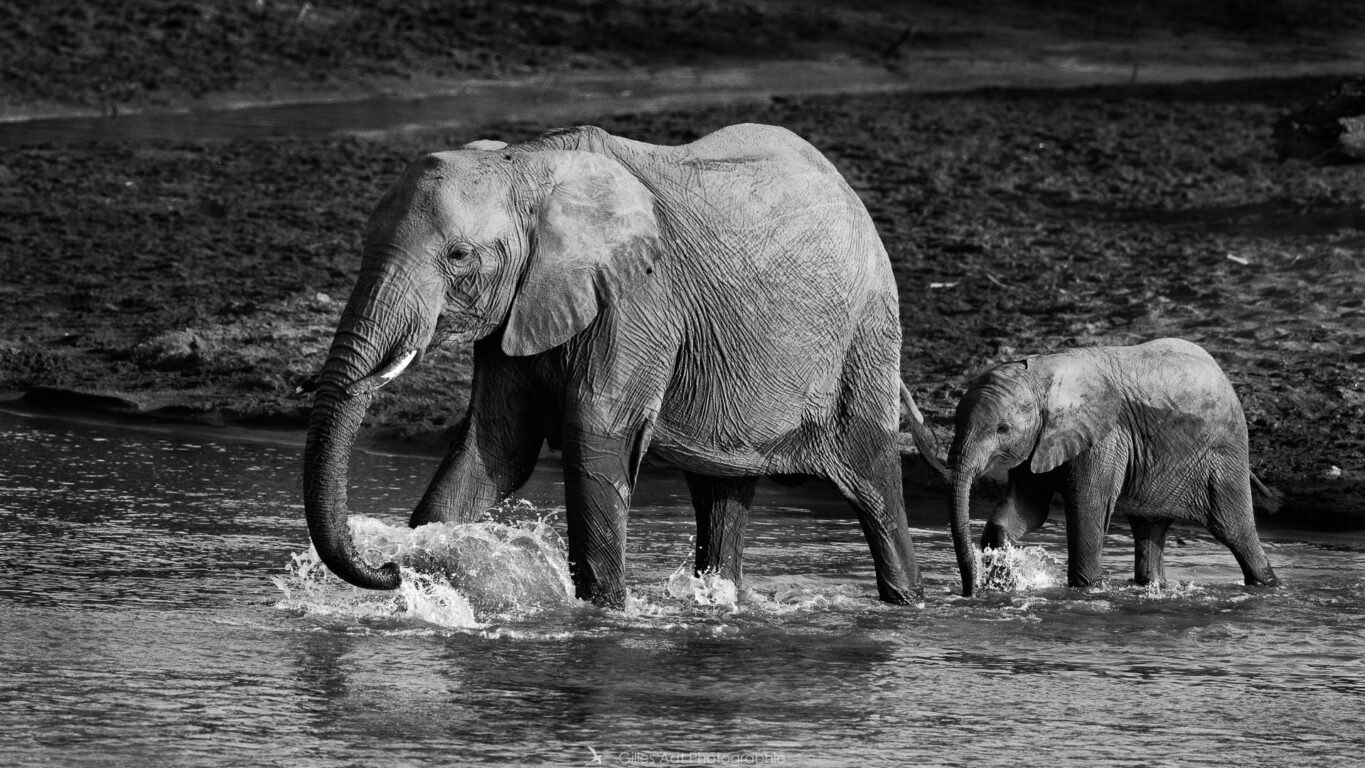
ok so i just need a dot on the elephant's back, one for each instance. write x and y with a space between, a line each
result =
1181 383
749 142
777 212
1182 366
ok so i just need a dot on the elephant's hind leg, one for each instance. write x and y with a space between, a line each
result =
722 507
1149 547
876 495
1232 523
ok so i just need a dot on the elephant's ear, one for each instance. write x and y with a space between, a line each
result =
594 240
1079 408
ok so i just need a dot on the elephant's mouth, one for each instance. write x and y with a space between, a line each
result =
459 328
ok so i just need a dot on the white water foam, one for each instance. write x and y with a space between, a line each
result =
455 575
1019 569
710 588
684 591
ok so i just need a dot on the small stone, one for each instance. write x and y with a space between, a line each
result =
171 351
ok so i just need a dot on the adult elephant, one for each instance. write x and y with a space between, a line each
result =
1152 431
726 304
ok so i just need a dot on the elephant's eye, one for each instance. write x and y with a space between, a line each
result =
460 253
1003 429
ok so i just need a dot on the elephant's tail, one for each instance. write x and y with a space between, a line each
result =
923 436
1264 499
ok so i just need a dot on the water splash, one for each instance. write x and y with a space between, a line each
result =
788 599
709 588
1019 569
455 575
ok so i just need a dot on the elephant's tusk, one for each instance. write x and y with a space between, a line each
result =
485 145
390 372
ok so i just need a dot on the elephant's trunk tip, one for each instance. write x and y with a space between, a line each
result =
361 574
389 576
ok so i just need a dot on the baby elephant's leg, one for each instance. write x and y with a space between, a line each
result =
1023 510
1091 491
1232 522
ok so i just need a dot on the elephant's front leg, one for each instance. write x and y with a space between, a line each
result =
496 448
1023 510
599 478
1149 547
1094 480
722 507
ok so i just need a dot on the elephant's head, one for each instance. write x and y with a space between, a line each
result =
1041 410
488 239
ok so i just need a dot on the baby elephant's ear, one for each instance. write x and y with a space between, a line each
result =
594 240
1079 408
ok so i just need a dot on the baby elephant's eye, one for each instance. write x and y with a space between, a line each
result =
1003 429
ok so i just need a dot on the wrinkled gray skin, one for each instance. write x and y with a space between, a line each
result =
726 304
1154 432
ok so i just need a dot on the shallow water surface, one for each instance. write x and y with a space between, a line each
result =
160 607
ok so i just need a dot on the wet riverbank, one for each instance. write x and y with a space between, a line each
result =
202 280
188 268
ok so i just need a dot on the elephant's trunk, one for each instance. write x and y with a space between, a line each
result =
370 349
332 429
965 471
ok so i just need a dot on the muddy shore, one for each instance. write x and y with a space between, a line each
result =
200 281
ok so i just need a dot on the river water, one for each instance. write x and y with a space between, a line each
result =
566 98
159 607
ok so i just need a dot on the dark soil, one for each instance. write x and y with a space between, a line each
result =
109 54
202 281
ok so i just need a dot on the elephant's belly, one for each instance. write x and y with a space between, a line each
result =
710 455
1159 500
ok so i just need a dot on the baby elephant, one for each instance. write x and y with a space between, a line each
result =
1152 431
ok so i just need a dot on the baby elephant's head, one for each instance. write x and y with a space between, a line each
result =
997 422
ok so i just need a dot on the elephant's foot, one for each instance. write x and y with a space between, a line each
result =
602 595
1266 578
1086 583
911 595
1142 580
598 577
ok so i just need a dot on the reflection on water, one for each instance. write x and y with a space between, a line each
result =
154 612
